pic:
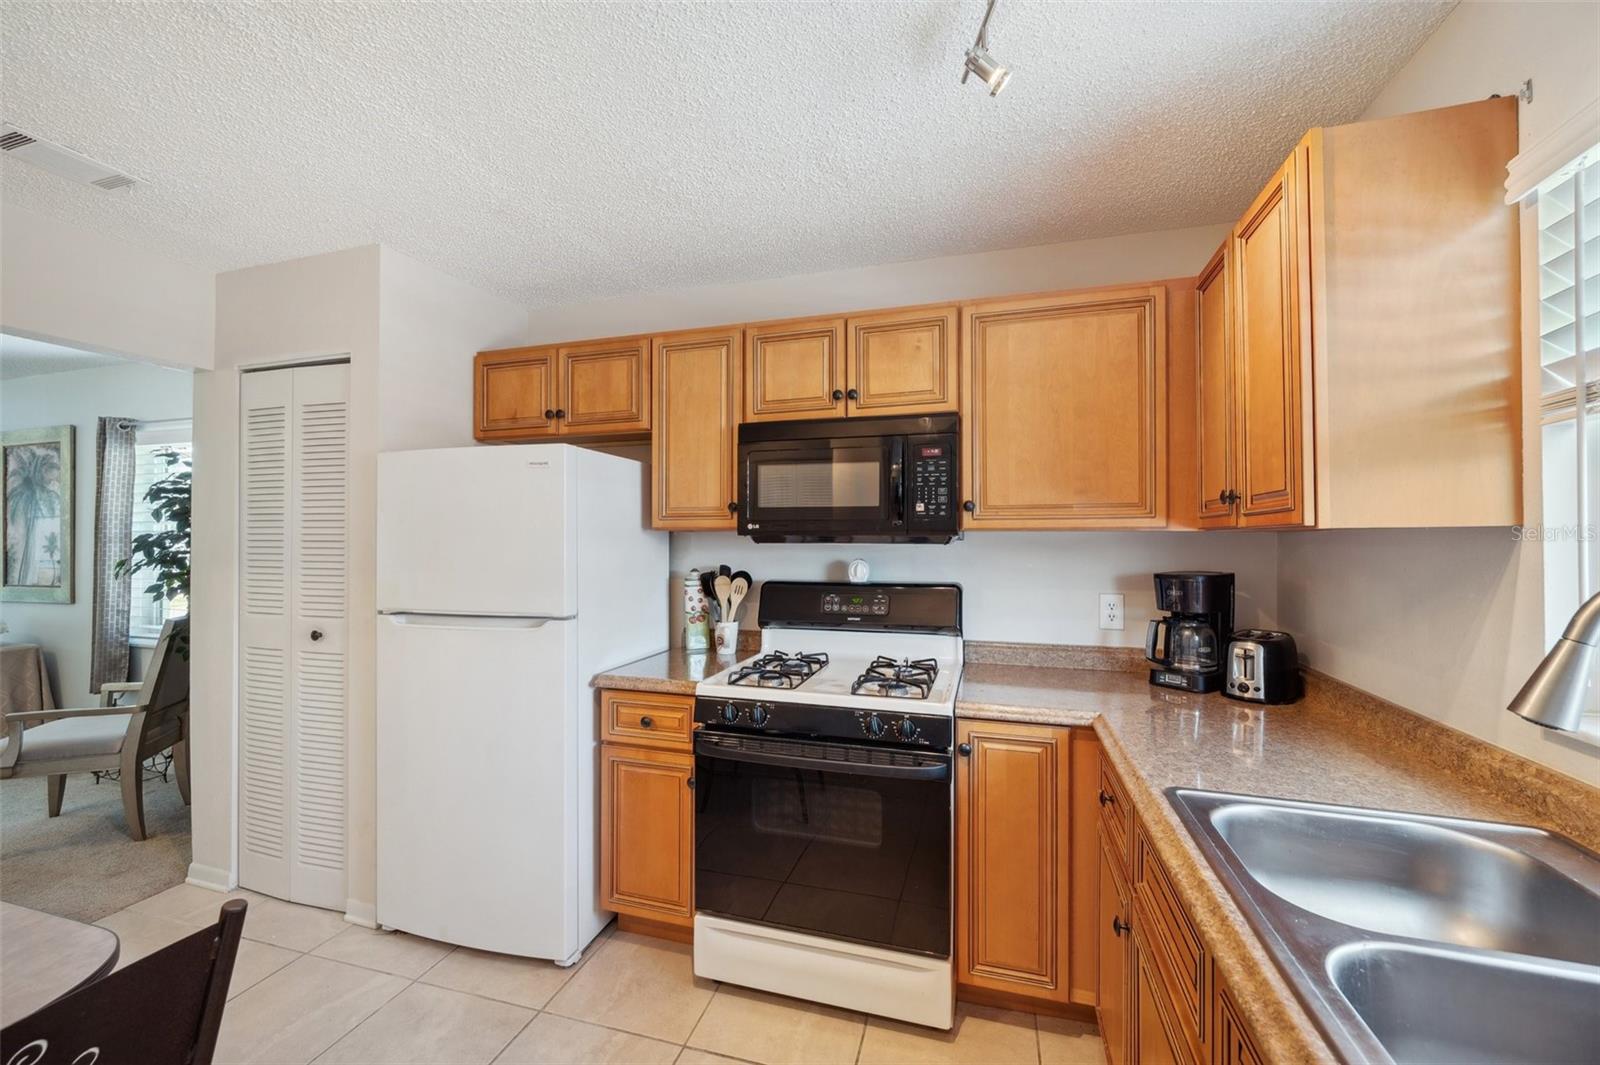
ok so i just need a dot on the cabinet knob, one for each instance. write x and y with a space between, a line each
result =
837 395
733 508
969 506
1106 798
853 394
1119 926
549 414
647 722
316 634
560 413
690 783
965 749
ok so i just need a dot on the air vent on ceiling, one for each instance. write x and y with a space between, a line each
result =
61 160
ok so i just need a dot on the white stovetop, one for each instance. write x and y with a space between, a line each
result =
848 656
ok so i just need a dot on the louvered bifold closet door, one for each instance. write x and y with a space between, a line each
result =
294 647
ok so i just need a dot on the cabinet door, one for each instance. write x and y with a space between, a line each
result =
1214 394
647 833
694 450
1064 411
1012 801
1156 1040
1231 1042
1113 921
1271 358
795 370
902 363
605 387
514 394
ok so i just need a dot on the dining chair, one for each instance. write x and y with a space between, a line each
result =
110 736
165 1007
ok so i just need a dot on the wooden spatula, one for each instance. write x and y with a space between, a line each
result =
723 585
738 589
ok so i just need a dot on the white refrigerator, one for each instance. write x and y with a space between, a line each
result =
507 578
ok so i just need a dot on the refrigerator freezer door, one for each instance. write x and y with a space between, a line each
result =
477 530
477 762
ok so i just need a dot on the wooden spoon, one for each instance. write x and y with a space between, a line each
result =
739 588
723 586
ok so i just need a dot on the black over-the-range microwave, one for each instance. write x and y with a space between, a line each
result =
883 480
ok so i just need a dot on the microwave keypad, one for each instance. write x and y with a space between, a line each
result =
930 484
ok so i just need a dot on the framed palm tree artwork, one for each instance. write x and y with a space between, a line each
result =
38 515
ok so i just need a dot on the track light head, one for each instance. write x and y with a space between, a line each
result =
981 63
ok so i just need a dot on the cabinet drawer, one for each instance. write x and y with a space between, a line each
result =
1231 1042
1173 937
1116 817
647 718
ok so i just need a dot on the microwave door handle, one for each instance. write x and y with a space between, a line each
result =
897 478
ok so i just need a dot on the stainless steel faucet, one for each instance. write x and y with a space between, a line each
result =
1557 693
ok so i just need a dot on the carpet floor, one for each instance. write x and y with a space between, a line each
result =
83 864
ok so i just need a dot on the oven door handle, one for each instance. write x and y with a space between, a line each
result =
708 747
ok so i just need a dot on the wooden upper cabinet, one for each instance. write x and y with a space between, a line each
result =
1012 810
795 370
647 833
605 387
1214 393
1272 369
694 449
903 362
1064 411
514 394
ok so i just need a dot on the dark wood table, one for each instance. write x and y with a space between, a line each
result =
44 957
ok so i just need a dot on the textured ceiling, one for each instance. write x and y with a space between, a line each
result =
22 357
555 152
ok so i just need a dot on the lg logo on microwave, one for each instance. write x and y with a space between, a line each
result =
751 525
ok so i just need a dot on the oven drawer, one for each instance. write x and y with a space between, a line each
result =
648 719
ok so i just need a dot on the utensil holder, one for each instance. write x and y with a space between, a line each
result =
727 639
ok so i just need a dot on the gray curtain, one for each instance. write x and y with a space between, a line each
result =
113 532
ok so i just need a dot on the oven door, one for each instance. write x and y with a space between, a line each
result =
828 488
842 840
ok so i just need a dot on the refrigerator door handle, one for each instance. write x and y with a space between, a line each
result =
466 621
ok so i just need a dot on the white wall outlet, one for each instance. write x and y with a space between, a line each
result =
1111 612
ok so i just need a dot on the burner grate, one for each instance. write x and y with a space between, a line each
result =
903 679
779 669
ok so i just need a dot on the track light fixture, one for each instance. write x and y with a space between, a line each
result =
981 63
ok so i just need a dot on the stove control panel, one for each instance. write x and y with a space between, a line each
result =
856 604
930 731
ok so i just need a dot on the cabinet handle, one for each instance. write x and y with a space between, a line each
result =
1228 497
560 413
647 722
733 508
1119 926
853 394
549 414
964 749
969 506
837 395
690 783
316 634
1106 798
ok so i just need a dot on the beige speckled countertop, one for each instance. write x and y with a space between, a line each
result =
1337 745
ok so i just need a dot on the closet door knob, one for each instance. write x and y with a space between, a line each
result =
316 634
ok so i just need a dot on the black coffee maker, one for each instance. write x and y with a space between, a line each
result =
1187 646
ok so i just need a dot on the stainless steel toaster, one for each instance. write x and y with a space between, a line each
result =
1263 667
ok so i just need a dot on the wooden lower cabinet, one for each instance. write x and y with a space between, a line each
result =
1161 1000
647 810
1113 927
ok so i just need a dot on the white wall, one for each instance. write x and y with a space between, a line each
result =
1023 587
325 305
1076 264
1450 622
62 282
80 398
430 326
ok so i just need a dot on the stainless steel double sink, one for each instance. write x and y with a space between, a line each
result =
1413 938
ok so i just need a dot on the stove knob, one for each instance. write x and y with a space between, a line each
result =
730 713
875 726
758 716
908 729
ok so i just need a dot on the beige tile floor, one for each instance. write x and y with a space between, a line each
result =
309 987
